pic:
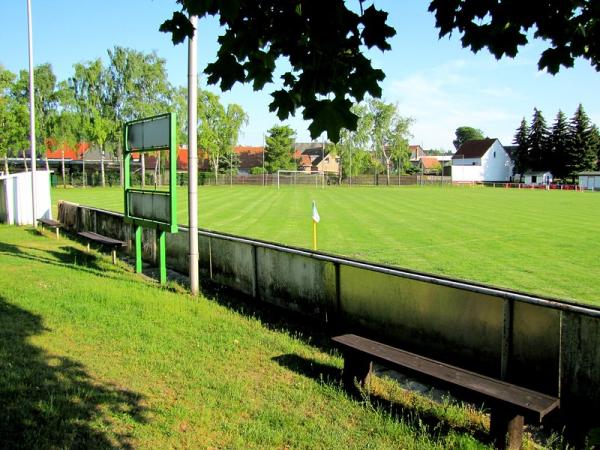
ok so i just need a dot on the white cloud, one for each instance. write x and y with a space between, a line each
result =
451 95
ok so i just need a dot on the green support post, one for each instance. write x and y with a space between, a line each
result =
138 249
162 255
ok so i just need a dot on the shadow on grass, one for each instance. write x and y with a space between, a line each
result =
309 329
63 257
431 422
317 334
51 401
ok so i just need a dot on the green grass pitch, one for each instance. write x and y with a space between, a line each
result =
542 242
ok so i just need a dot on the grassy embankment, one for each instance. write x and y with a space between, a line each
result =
534 241
93 356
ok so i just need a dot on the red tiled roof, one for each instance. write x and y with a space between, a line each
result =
429 162
473 149
249 156
70 153
305 161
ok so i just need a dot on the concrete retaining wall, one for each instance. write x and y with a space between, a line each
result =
540 343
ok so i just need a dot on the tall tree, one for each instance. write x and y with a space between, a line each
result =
321 41
581 154
389 134
520 153
46 99
595 139
65 132
559 145
570 28
90 100
538 142
353 146
279 149
464 134
137 87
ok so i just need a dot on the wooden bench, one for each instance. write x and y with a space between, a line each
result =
509 403
114 244
51 224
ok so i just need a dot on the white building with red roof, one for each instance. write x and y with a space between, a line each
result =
482 160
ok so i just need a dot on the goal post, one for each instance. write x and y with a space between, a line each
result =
299 177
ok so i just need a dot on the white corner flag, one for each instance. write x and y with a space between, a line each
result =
315 214
315 220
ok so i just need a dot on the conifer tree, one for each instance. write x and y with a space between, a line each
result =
520 156
559 144
582 154
595 140
538 142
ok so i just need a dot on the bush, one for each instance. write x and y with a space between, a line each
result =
257 170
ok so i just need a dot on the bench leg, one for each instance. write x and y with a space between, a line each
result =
114 255
356 369
503 425
88 247
57 234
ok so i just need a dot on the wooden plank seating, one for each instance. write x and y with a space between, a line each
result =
114 244
509 403
51 224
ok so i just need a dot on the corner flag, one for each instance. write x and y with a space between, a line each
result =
315 220
315 213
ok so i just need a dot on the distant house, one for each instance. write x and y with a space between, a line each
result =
430 165
313 157
482 160
416 152
589 180
250 157
537 178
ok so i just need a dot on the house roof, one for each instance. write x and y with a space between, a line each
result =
474 149
249 156
589 173
429 162
304 160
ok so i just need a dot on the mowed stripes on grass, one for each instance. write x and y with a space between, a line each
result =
542 242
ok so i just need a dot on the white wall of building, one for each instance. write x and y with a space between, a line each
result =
540 178
15 198
497 165
494 165
468 170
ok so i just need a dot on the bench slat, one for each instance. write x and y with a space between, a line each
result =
493 389
50 223
101 239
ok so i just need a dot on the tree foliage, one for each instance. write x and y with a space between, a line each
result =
279 149
321 41
582 154
390 132
570 28
572 146
558 146
218 127
537 157
520 155
464 134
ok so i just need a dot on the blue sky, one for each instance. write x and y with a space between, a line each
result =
437 82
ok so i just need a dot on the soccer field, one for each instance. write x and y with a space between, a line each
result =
542 242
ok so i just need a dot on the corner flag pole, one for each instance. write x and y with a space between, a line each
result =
315 220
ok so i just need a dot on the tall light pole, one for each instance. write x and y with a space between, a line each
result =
31 115
193 158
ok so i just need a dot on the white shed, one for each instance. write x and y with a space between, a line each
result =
482 160
537 178
589 180
15 197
